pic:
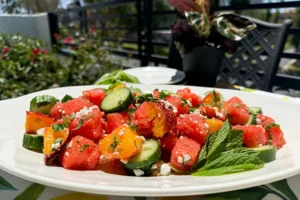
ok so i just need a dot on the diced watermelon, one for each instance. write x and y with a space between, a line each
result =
192 126
80 154
95 95
156 93
89 125
185 153
277 137
254 135
264 120
144 126
115 120
182 108
237 111
191 97
168 142
71 106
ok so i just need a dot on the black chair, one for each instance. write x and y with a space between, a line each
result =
256 61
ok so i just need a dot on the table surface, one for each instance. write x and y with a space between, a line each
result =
12 187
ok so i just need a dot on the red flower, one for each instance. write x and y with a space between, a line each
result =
92 29
5 50
68 40
35 51
44 51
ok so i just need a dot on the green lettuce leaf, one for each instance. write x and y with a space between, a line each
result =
111 78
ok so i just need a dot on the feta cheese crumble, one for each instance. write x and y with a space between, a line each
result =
138 172
165 169
179 159
186 158
41 131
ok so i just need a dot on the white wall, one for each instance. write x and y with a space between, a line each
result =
36 26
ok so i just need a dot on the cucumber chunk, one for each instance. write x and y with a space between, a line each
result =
42 104
117 100
165 93
255 110
267 153
150 154
33 142
252 119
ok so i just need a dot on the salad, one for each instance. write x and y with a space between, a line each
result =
122 130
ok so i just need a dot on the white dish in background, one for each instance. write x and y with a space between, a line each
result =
29 165
156 75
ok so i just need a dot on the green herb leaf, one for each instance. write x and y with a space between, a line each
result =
66 98
79 124
58 127
66 122
33 192
83 147
145 97
217 146
4 185
233 161
228 170
235 139
72 116
114 144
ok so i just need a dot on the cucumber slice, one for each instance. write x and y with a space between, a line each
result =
150 154
252 119
42 104
117 100
267 153
255 110
165 93
33 142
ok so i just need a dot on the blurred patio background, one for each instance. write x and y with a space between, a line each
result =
135 32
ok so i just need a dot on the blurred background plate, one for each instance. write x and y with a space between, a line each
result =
157 75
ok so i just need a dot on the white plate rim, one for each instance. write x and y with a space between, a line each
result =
178 191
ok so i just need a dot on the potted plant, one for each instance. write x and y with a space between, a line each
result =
203 38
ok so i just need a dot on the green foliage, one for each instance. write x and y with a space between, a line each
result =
26 67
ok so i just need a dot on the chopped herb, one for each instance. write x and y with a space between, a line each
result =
132 127
66 122
237 105
58 127
83 147
192 109
131 110
135 144
145 97
72 116
57 141
66 98
182 104
80 123
114 144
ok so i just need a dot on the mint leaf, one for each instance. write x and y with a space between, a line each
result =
235 139
203 153
233 161
219 143
58 127
227 170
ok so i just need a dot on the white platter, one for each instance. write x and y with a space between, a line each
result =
29 165
156 75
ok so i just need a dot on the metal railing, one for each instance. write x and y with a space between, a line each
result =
144 30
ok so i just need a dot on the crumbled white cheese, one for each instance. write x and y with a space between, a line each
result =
220 115
165 169
55 145
41 131
186 158
121 132
84 111
124 161
206 125
197 112
67 154
140 137
138 172
70 144
169 105
158 115
101 157
116 153
189 103
179 159
154 166
258 121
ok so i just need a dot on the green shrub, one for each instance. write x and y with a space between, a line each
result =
25 67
